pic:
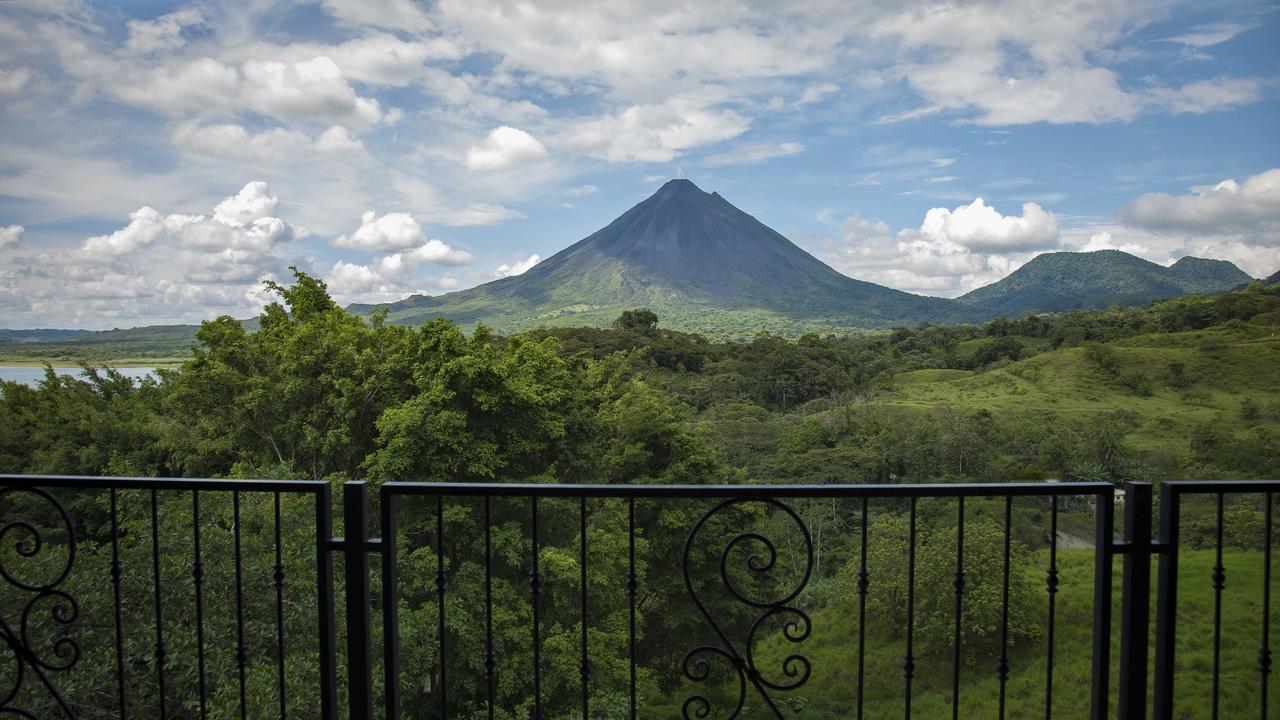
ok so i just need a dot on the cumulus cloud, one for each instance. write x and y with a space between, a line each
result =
980 228
503 148
653 133
243 222
385 280
953 251
755 153
398 231
519 268
1231 220
163 267
1250 206
10 235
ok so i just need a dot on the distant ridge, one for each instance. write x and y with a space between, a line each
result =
698 261
1061 281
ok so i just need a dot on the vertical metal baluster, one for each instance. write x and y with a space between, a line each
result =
1002 665
1219 582
535 590
862 607
155 571
909 661
390 605
585 666
1264 654
241 658
325 621
115 589
278 578
197 576
958 587
1051 585
489 661
631 594
440 588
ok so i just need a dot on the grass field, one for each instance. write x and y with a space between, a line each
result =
1222 367
832 650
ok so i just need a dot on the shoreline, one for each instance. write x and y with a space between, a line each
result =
62 364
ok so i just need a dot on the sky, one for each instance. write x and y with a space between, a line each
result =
158 161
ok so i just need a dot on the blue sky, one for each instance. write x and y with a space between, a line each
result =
159 160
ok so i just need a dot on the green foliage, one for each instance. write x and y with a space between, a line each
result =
935 568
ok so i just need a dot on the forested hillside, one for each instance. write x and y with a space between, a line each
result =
1184 388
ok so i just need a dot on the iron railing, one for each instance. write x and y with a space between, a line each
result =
42 624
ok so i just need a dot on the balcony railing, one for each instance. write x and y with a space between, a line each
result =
144 597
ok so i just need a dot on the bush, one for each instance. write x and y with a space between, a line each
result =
1136 382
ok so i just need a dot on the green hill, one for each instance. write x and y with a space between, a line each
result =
701 263
1061 281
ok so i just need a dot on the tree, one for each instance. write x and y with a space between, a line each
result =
640 320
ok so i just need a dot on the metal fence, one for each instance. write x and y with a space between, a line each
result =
312 644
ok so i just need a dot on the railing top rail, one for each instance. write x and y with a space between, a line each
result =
148 483
1188 487
747 491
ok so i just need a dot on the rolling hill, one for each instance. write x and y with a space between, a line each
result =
1061 281
698 261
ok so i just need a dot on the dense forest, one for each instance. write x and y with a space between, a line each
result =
1183 388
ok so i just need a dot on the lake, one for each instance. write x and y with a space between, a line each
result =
33 375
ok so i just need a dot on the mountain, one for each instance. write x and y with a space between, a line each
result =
700 263
1055 282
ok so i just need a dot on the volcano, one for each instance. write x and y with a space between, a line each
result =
700 263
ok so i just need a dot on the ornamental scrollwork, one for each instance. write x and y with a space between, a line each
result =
773 610
35 639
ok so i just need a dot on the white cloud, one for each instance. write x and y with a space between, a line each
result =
440 253
398 231
981 228
386 280
162 268
1104 241
1232 220
163 33
748 154
398 15
519 268
13 81
253 202
242 222
581 191
1251 206
10 235
1208 95
392 231
303 91
504 148
653 133
276 144
816 92
1203 36
952 252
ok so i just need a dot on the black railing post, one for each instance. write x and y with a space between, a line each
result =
1104 554
1166 604
324 605
1135 601
355 530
